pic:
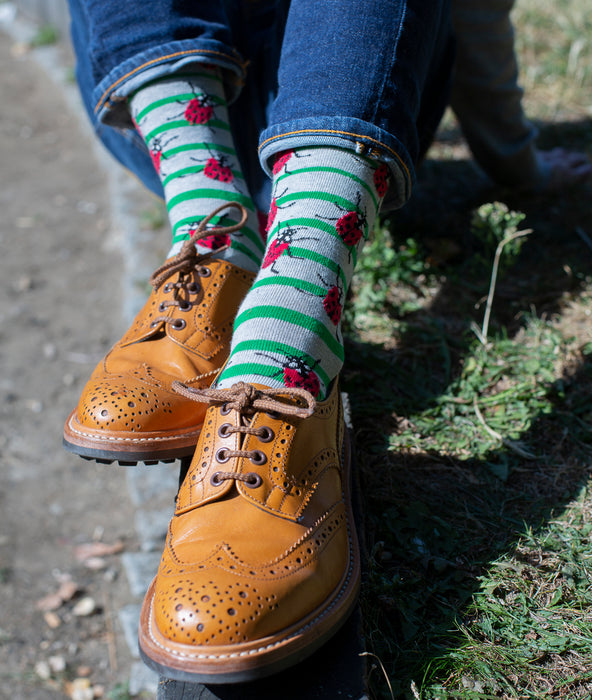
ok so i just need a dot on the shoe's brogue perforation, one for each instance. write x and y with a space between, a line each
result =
210 614
125 406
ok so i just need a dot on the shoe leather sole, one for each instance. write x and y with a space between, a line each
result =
128 447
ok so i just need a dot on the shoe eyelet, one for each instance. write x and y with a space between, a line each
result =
167 287
204 272
192 288
253 480
224 410
162 306
216 479
258 458
272 414
222 455
185 306
265 434
178 324
224 430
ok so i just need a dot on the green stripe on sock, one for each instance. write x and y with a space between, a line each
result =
192 170
204 193
216 220
306 287
338 171
182 124
263 345
183 97
210 147
296 319
235 245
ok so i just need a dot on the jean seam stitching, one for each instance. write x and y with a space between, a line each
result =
113 85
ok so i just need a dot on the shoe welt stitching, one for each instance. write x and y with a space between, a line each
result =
258 650
130 440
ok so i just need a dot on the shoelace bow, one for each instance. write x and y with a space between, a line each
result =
247 400
188 257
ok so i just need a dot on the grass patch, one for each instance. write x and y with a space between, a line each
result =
475 455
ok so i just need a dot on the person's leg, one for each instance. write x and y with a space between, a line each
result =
330 174
262 563
171 73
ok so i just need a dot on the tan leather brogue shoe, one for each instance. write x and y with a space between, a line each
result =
262 563
128 410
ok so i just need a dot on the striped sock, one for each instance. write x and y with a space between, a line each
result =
287 331
184 122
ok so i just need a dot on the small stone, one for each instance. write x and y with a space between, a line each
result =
23 284
52 620
57 664
83 671
42 670
68 379
98 691
80 689
84 607
95 563
25 222
50 351
35 405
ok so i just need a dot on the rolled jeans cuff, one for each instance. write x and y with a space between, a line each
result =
180 57
349 133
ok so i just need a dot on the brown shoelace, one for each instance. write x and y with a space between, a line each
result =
247 400
187 260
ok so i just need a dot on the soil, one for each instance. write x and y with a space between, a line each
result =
60 312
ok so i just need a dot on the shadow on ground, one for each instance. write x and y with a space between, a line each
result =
435 523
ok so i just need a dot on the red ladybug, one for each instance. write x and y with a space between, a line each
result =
350 227
272 214
381 180
281 245
332 303
199 110
281 160
274 250
215 241
273 209
217 169
297 374
156 150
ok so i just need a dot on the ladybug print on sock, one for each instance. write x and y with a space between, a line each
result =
199 110
218 169
380 178
215 241
351 225
296 373
273 210
281 244
281 160
350 228
156 150
333 302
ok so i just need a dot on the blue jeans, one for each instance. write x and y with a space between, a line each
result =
372 77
